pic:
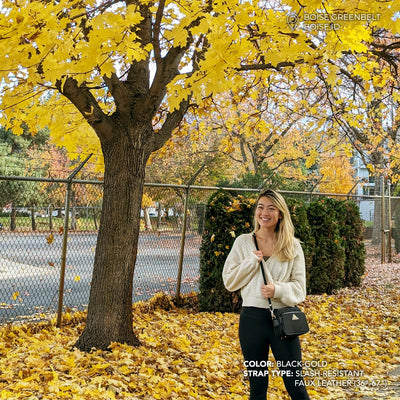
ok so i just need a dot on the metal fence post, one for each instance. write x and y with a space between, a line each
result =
65 240
183 234
389 223
383 246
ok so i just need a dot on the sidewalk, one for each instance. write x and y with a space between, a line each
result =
391 391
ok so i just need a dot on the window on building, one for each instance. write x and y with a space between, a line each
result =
368 191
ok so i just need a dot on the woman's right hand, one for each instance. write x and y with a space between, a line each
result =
259 254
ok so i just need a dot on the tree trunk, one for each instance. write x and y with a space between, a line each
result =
110 305
159 215
13 219
33 220
147 220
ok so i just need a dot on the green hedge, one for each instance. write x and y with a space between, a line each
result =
302 230
327 271
330 231
351 229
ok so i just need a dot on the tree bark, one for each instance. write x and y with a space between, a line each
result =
147 220
13 219
110 305
33 220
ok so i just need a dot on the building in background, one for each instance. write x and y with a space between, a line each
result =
365 187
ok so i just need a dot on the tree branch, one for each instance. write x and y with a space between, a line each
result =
171 122
87 105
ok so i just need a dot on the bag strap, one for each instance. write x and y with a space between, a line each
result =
271 308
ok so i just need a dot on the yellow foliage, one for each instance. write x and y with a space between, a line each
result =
88 41
311 159
147 201
50 238
353 339
337 174
15 295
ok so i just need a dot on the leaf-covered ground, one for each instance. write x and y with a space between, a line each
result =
351 352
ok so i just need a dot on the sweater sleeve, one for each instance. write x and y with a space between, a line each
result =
240 265
294 291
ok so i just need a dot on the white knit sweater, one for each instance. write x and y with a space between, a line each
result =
242 271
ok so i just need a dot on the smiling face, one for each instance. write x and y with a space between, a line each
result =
267 213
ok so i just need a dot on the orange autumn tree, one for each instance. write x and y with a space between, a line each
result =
120 76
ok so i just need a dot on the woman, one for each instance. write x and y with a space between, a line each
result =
284 266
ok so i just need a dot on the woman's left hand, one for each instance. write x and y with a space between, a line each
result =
268 290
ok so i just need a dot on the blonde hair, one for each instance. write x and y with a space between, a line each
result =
284 230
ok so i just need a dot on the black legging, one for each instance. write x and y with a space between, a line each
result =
256 335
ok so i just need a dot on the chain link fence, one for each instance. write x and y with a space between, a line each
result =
32 236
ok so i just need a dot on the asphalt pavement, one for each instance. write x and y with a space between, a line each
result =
30 270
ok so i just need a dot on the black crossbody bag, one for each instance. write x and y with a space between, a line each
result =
288 322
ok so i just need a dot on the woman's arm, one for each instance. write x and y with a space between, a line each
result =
294 291
240 265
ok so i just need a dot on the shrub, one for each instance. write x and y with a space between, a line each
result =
327 270
227 216
330 232
351 231
302 231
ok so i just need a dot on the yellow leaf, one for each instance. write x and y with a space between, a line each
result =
311 158
98 367
50 239
91 111
15 295
370 167
107 69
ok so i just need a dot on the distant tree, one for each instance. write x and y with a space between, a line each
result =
14 162
337 174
